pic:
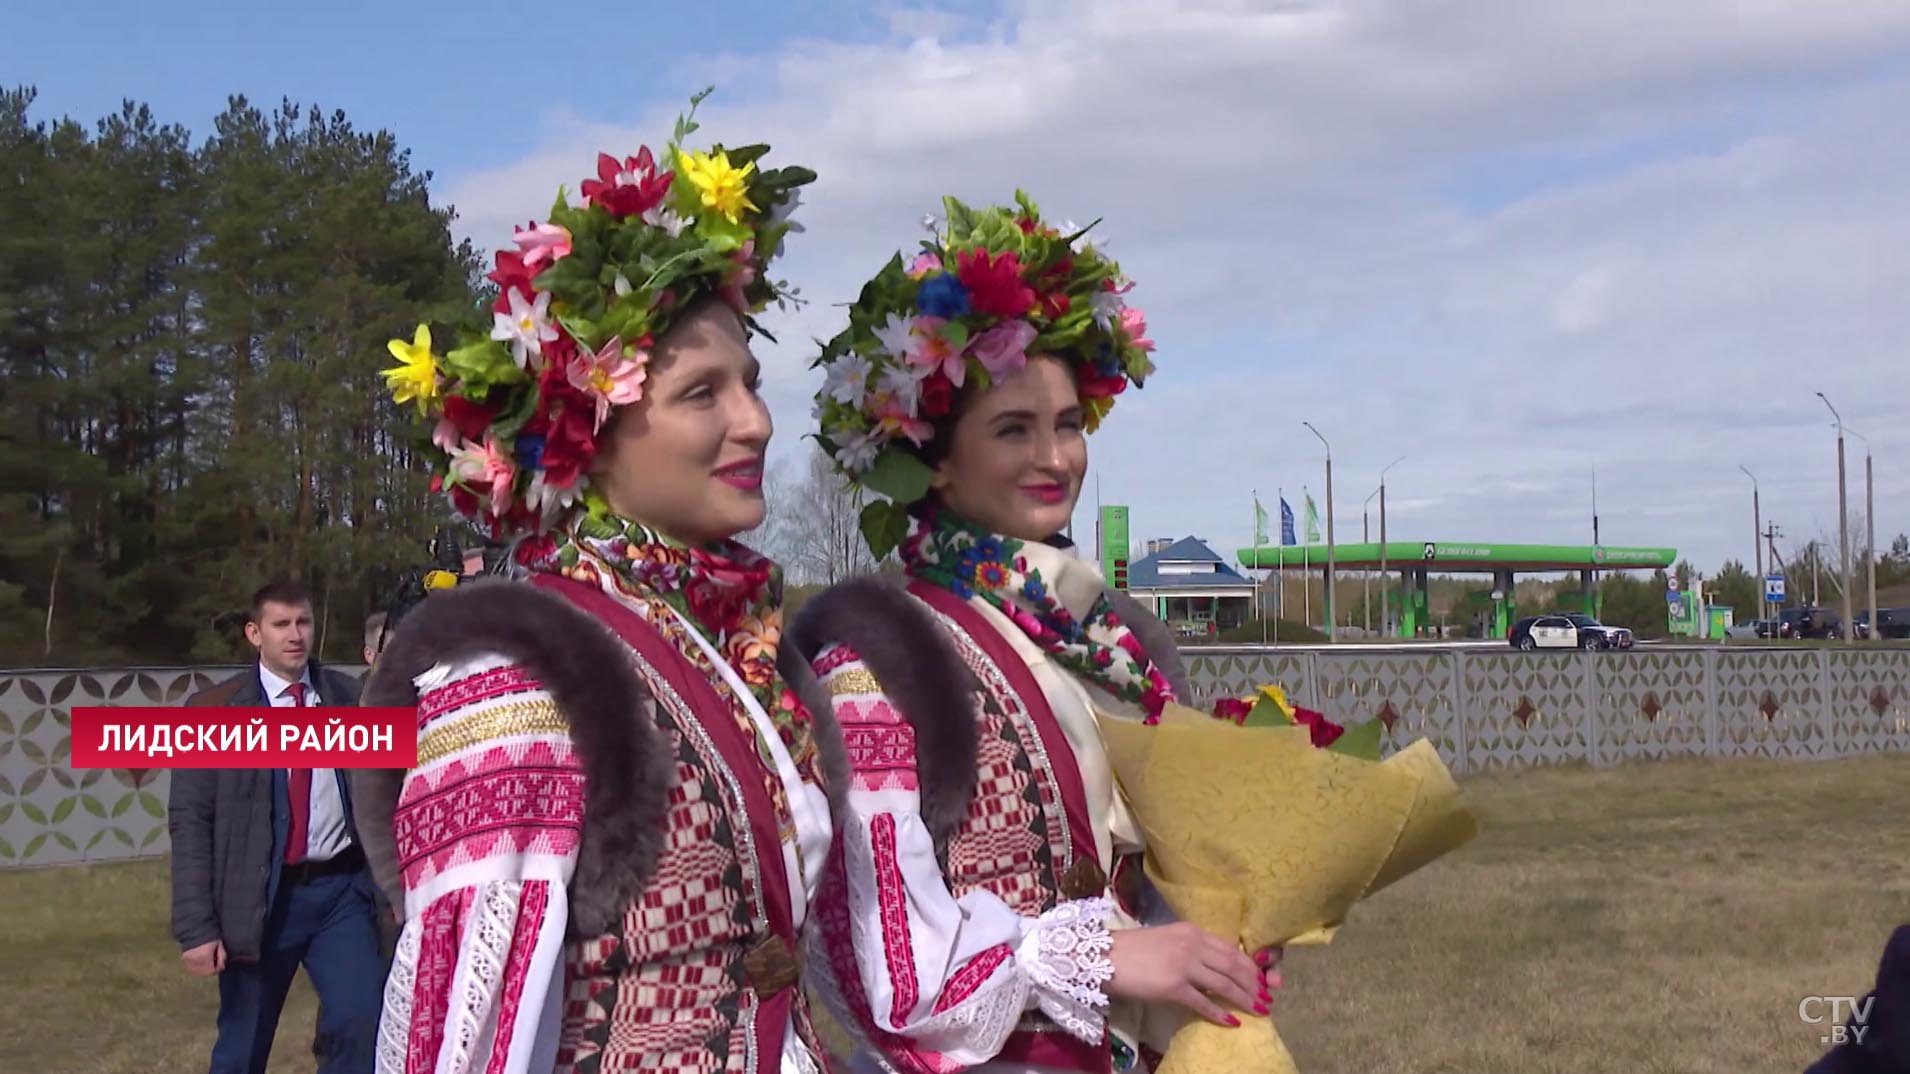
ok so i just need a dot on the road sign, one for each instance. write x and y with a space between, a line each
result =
1114 545
1774 588
1671 583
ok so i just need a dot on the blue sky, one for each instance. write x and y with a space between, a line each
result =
1506 239
458 82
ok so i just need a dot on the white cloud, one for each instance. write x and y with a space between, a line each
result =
1511 240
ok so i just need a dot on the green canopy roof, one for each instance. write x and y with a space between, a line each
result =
1462 556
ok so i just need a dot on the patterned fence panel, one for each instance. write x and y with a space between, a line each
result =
1415 695
52 814
1651 705
1526 709
1869 702
1218 673
1772 704
1488 709
1483 709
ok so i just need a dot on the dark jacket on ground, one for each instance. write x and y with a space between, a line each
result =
228 830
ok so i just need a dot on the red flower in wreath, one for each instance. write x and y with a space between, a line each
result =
631 188
995 287
938 396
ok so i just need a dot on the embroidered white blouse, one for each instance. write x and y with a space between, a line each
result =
953 976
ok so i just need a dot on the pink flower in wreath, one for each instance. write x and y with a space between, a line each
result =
1134 323
741 273
542 243
608 377
895 419
486 464
1003 349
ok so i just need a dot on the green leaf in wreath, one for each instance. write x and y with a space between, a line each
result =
884 525
898 475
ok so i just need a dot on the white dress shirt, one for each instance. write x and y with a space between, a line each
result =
326 837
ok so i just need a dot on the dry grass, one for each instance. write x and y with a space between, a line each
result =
1654 918
91 983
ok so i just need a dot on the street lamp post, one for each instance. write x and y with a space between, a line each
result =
1385 583
1366 537
1757 538
1332 560
1843 518
1870 540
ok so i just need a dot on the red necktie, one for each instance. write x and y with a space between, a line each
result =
299 791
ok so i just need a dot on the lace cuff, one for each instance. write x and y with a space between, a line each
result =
1065 955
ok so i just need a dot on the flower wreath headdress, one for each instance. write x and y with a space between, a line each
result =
582 298
989 288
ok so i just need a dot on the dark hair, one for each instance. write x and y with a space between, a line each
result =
277 591
939 444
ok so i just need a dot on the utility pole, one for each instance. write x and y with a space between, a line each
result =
1385 583
1332 560
1757 538
1870 543
1596 604
1366 537
1843 519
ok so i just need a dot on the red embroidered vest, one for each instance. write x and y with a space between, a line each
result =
700 976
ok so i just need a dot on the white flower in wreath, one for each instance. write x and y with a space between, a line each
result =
897 336
857 451
902 385
848 380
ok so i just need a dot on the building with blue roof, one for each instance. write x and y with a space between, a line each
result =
1190 587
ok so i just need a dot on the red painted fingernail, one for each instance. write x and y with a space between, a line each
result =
1261 957
1261 1008
1232 1021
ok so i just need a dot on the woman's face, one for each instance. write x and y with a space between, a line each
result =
687 458
1017 454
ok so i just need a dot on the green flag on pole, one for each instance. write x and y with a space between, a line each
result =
1259 522
1312 521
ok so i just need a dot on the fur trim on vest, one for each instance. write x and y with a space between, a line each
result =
913 658
627 764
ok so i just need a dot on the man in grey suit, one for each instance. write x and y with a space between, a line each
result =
267 870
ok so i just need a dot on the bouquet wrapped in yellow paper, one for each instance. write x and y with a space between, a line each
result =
1255 832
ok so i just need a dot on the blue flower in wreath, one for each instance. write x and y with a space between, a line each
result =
942 295
1034 591
528 450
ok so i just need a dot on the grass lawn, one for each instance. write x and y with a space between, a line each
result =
1653 918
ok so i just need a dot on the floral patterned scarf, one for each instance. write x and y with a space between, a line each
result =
949 551
734 595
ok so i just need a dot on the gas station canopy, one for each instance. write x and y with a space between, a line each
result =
1460 556
1416 560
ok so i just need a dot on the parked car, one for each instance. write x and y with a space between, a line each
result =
1891 623
1543 632
1593 634
1809 623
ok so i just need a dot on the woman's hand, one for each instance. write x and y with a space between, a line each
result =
1185 964
1268 959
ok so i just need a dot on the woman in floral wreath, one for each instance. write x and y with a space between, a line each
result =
969 918
605 851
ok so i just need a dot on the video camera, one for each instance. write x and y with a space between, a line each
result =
446 570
